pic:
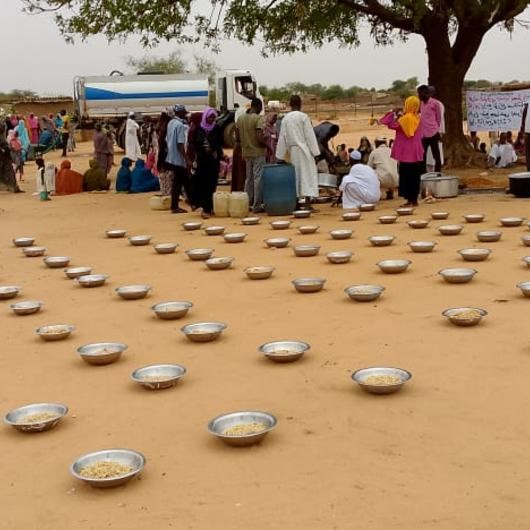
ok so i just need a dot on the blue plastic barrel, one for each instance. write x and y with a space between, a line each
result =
279 189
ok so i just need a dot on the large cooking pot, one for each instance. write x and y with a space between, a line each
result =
438 185
520 184
327 180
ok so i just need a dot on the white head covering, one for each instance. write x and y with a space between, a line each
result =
356 155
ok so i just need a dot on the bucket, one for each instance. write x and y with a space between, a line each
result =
220 203
279 189
160 202
238 204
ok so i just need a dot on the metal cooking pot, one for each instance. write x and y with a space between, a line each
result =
439 185
327 180
520 184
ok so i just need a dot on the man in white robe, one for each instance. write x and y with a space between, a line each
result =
297 140
360 185
132 144
384 166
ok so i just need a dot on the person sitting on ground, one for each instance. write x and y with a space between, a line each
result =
384 166
360 185
123 178
95 178
142 180
68 181
365 148
502 153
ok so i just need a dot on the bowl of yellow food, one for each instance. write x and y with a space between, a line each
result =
464 316
158 376
101 353
284 351
242 428
381 380
37 417
53 332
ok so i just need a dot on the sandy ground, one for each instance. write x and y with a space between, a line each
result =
450 451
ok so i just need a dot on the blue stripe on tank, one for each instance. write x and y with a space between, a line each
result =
98 94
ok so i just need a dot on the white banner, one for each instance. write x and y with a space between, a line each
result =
495 111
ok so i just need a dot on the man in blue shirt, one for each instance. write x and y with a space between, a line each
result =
176 137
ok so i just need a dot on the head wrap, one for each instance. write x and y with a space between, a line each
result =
356 155
179 108
205 115
410 121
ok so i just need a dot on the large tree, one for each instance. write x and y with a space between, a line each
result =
452 29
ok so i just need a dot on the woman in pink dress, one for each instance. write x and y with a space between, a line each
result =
407 148
33 125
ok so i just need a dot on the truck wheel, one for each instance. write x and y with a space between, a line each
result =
229 136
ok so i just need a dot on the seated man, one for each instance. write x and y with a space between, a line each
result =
360 185
502 154
384 166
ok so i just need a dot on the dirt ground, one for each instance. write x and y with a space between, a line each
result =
448 452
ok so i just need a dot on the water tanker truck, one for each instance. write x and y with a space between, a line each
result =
111 98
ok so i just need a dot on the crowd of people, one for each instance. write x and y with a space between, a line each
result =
181 154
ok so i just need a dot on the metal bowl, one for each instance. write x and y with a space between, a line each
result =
126 457
203 331
277 242
387 219
261 272
218 264
199 254
351 216
18 418
53 332
525 288
526 240
511 221
364 293
171 310
393 266
489 236
92 280
56 262
280 225
308 285
360 377
133 292
368 207
9 291
457 275
464 316
116 233
215 230
339 256
191 225
235 237
306 251
158 376
475 254
439 216
26 307
23 241
76 272
450 230
301 214
101 353
422 246
526 260
219 425
381 241
341 234
284 351
405 210
308 229
34 252
250 221
474 217
140 241
418 223
165 248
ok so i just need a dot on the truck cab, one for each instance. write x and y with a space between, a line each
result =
235 87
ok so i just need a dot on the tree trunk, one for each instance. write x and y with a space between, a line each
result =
448 67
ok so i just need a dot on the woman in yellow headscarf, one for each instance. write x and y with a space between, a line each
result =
407 148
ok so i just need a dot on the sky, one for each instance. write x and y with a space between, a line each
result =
35 57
